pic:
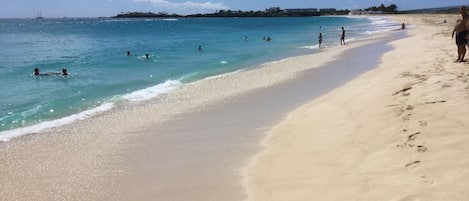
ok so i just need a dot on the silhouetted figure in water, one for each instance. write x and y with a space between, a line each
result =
36 72
147 56
320 39
129 53
200 48
342 37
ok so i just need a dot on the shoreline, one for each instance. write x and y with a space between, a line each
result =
169 86
398 132
226 135
90 153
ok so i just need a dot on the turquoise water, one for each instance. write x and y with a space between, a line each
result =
101 73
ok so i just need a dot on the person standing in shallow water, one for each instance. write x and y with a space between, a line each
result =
460 33
342 37
320 39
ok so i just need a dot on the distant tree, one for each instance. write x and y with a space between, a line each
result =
382 7
273 10
386 9
392 8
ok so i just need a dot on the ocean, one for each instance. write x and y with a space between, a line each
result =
102 74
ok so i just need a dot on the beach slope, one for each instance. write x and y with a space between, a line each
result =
398 132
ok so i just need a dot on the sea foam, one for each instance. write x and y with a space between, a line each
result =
9 134
154 91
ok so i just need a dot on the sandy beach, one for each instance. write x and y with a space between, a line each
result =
391 128
398 132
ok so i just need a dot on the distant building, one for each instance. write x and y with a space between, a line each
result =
364 12
301 10
327 10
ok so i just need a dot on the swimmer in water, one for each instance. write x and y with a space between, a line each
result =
200 48
37 73
129 53
147 56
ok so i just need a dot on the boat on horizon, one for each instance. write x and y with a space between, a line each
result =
39 16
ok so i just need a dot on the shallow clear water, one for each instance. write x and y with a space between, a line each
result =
95 53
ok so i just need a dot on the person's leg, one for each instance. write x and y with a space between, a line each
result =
463 53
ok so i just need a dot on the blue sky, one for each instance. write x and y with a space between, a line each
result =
106 8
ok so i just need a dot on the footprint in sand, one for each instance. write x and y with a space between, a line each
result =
413 136
422 123
410 107
446 86
405 89
412 164
406 117
427 180
405 145
433 102
410 142
421 148
409 198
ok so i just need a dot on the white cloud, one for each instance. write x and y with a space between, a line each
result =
186 7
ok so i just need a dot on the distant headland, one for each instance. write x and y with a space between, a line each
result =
300 12
270 12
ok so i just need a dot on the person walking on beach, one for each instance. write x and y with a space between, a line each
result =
460 31
320 39
342 37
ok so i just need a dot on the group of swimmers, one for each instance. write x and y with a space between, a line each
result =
37 73
147 56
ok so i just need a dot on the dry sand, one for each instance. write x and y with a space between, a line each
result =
398 132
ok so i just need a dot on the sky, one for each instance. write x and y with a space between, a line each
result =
107 8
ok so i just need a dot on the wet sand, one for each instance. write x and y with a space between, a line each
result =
188 145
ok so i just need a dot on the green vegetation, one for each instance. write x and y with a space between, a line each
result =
270 12
385 9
